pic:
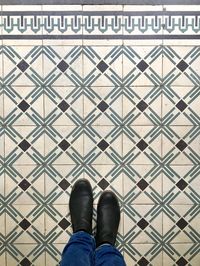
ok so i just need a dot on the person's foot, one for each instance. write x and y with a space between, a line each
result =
81 206
108 217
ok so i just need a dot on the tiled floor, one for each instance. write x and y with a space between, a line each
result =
112 94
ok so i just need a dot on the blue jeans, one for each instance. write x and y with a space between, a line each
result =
81 251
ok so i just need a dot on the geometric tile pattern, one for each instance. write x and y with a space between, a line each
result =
123 113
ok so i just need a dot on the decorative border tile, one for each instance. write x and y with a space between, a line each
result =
48 24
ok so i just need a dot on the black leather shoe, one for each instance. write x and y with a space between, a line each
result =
108 217
81 206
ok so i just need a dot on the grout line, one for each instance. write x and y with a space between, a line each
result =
162 254
97 125
135 204
83 103
180 165
44 138
96 86
123 176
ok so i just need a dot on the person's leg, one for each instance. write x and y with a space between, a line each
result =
108 217
80 249
107 254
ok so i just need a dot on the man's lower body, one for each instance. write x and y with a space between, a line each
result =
83 249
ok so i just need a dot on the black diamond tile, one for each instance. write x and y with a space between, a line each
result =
142 184
23 105
25 262
142 223
142 106
181 145
182 223
24 184
63 66
64 145
64 184
143 262
102 106
103 145
63 105
102 66
103 184
64 223
142 145
181 105
182 65
24 224
23 65
182 184
181 262
142 65
24 145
